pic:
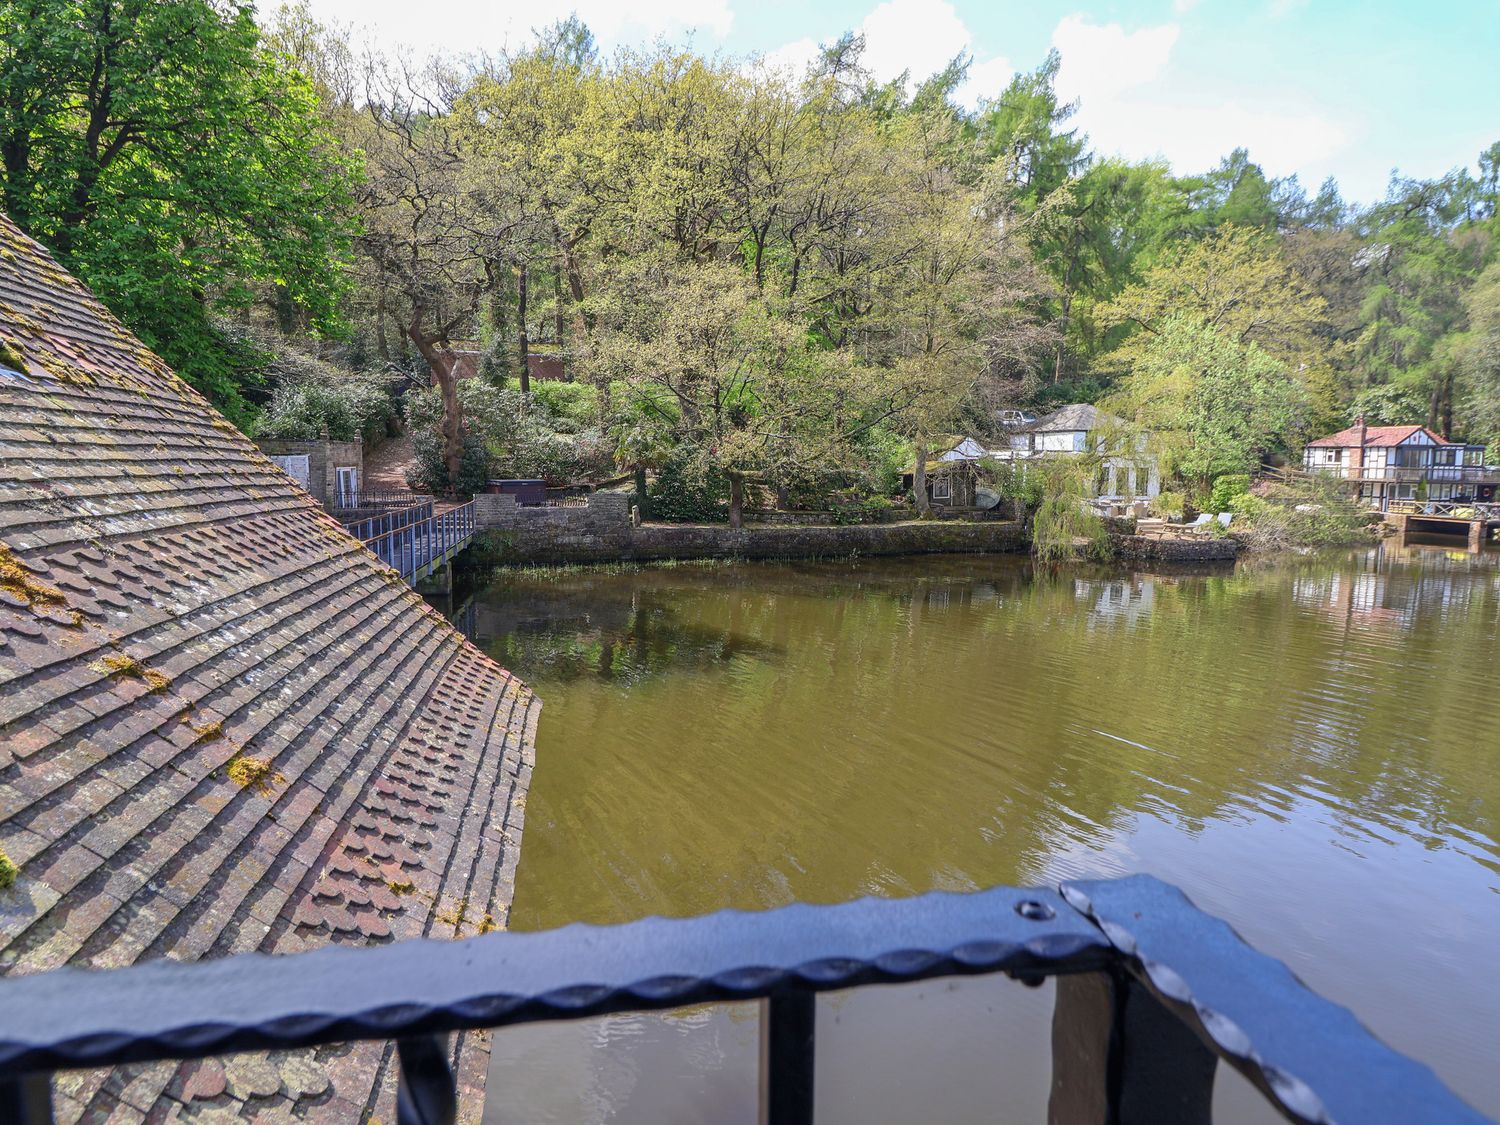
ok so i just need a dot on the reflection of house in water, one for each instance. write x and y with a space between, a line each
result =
1387 593
1127 598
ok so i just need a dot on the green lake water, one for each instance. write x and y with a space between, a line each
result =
1308 747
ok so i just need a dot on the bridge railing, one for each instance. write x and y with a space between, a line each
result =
368 527
415 544
1446 509
1152 996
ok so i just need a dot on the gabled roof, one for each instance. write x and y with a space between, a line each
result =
224 725
1374 435
1078 416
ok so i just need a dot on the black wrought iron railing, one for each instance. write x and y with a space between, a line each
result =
1152 996
351 501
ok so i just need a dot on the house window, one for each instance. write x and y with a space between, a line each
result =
942 488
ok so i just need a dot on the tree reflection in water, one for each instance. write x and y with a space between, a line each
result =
1306 745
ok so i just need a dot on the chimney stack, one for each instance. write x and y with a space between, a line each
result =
1357 456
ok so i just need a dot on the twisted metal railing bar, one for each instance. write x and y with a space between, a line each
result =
1152 993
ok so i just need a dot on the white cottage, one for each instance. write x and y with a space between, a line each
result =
1078 428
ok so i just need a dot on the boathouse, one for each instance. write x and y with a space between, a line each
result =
225 726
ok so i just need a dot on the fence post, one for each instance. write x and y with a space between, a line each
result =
788 1027
26 1100
1120 1058
426 1094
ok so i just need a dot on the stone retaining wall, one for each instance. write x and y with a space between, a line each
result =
1141 548
603 532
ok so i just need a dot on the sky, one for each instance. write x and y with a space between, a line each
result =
1345 88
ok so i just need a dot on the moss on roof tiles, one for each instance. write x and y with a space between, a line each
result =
16 579
253 773
281 660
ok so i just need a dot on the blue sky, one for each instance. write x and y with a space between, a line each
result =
1316 87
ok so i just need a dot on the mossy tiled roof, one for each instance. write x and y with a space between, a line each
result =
224 725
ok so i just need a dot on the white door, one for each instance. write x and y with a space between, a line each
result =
348 487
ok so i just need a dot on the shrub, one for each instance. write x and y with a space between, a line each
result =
874 509
518 434
1064 521
1226 487
1170 505
430 474
684 493
1300 515
355 408
574 402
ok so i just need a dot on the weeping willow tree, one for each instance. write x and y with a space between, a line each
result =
1056 493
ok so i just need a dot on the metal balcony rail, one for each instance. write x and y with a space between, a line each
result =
1463 474
418 547
1152 995
1446 509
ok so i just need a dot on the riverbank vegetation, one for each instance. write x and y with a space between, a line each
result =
751 278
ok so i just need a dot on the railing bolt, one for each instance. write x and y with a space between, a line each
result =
1035 911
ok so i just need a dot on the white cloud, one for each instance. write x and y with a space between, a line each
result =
463 27
1100 61
986 79
1132 104
1194 137
794 57
919 36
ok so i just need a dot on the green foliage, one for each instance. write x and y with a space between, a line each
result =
1211 404
686 492
1480 360
519 435
872 509
429 472
355 408
1301 514
1171 505
1226 488
8 872
1064 523
575 402
1013 481
177 165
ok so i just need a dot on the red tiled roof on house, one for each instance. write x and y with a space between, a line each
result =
1374 436
224 725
